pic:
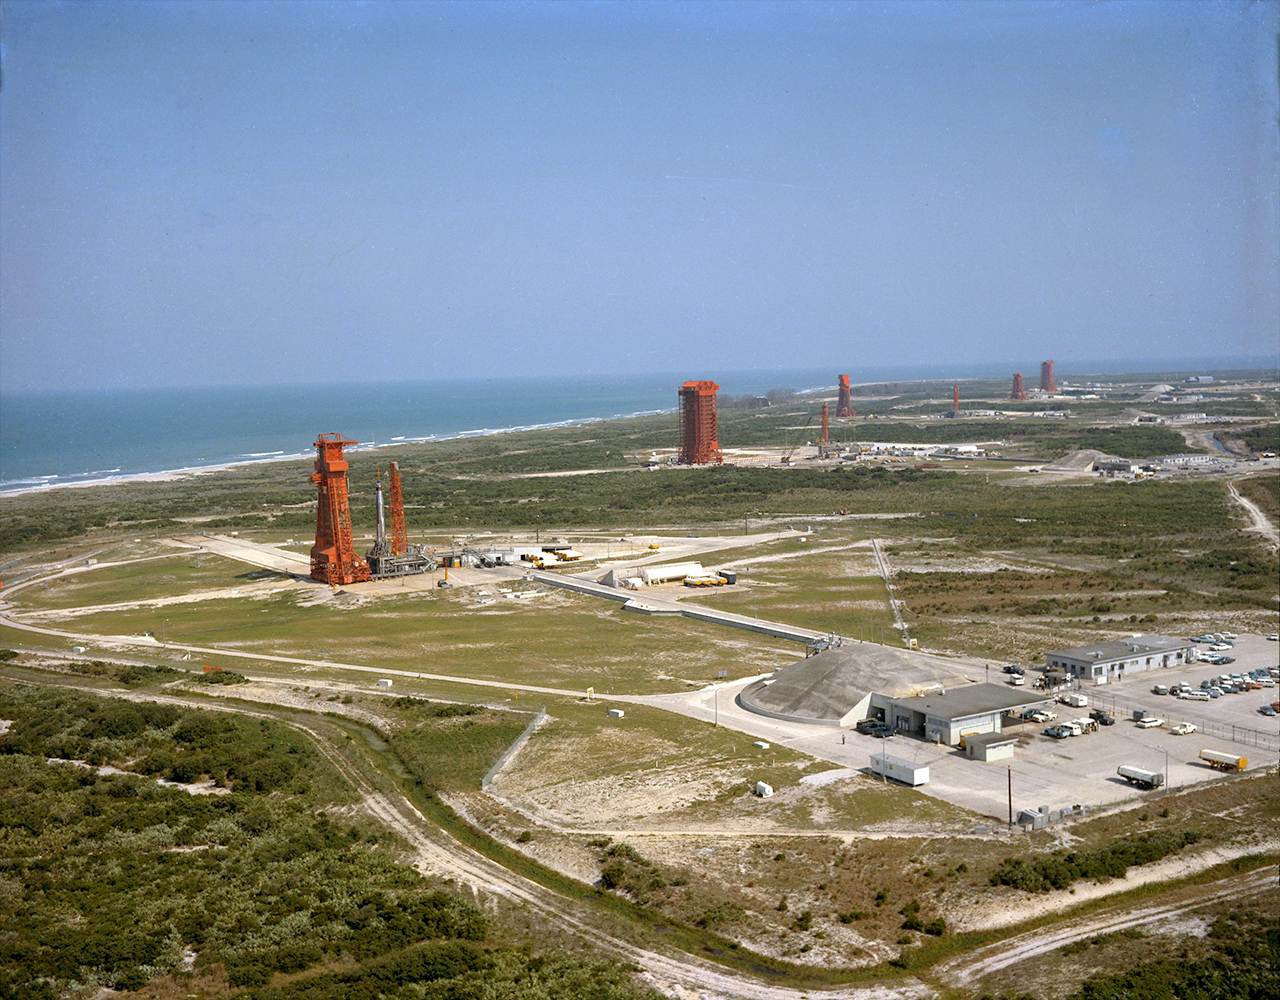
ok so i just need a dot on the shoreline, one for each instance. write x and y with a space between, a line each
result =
43 484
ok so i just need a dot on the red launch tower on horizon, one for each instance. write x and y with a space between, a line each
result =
699 442
1047 384
333 557
1017 392
844 405
826 424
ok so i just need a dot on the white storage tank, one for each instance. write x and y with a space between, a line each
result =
675 571
764 790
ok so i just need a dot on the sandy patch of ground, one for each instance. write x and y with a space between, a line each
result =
1004 907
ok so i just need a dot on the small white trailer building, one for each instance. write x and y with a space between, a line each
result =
990 746
384 682
616 713
906 771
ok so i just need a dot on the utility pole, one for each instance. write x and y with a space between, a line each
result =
1010 798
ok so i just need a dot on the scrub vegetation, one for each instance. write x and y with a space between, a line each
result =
113 879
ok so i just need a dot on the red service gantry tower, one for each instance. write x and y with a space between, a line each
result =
955 399
333 557
698 434
1047 384
399 533
1017 392
826 425
844 406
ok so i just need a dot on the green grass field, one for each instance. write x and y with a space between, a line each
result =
548 638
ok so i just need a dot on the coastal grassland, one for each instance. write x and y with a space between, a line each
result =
113 880
1259 439
477 481
545 638
829 583
591 770
181 572
859 893
655 770
1265 492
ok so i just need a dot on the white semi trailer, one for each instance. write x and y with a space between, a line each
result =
1140 777
908 772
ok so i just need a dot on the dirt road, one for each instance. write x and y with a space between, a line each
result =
1259 522
993 958
437 853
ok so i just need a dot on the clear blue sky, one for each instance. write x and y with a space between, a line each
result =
208 193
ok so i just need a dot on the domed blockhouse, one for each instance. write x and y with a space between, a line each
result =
932 697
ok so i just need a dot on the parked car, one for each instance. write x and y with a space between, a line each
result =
1057 732
1149 723
1274 637
1183 729
1267 710
1159 689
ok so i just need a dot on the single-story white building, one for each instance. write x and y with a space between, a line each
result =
1113 660
949 716
990 746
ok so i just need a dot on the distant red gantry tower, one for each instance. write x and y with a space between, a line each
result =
844 405
699 442
955 399
399 533
1047 384
1017 392
333 557
826 424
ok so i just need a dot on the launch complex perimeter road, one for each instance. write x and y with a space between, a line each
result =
438 853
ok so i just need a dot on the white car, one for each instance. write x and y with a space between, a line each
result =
1149 723
1183 729
1220 647
1274 637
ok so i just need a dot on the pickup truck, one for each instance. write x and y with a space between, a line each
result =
1102 718
1183 729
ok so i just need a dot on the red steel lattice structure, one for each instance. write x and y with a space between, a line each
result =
826 424
844 405
699 442
1047 384
1017 392
399 533
333 557
955 399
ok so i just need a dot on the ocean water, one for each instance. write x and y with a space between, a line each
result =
55 438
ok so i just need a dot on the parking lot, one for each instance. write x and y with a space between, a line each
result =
1079 770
